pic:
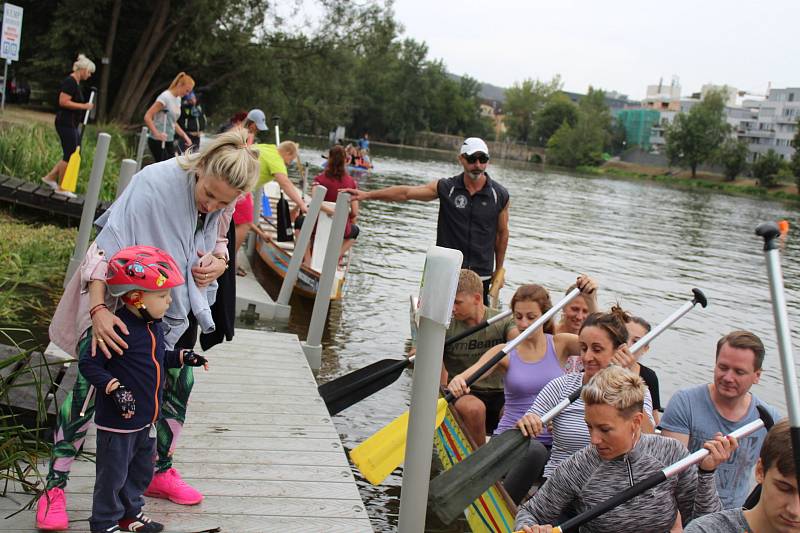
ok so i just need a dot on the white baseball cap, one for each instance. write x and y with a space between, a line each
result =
259 118
472 145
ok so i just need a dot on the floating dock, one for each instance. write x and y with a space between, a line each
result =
258 443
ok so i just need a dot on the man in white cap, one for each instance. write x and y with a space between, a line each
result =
473 210
256 121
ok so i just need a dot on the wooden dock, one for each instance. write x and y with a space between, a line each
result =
259 444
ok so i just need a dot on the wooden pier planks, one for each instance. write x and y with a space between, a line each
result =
258 442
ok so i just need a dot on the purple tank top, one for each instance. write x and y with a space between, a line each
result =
523 382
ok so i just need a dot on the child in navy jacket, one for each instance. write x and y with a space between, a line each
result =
129 388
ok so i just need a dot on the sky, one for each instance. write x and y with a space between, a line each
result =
615 45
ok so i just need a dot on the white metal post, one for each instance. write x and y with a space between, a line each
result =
140 148
437 293
89 204
5 84
312 346
282 307
126 171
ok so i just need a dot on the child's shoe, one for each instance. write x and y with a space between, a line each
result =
170 486
141 524
51 510
112 529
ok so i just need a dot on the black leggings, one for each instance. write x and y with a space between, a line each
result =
161 154
527 471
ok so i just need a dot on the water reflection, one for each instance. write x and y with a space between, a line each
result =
647 245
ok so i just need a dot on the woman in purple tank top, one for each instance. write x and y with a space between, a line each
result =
537 360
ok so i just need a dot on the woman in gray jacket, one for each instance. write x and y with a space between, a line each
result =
619 456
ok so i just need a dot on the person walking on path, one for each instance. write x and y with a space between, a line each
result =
193 121
695 414
473 211
179 206
161 118
71 108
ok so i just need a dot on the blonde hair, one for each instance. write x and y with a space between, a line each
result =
617 387
182 77
227 157
469 282
83 62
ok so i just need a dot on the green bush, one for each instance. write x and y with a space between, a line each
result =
29 152
767 168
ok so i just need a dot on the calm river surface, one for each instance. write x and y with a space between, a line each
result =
647 246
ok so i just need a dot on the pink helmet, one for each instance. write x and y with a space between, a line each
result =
143 268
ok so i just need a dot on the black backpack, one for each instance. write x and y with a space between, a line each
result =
285 232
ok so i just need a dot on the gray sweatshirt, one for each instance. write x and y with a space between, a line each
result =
585 480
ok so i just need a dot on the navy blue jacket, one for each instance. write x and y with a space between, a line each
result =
141 368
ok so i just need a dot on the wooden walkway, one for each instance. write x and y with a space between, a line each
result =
41 197
259 444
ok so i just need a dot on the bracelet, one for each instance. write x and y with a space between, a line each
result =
227 262
94 309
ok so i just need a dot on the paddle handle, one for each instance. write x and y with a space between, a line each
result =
699 298
477 327
542 320
86 118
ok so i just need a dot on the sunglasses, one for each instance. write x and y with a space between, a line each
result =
477 157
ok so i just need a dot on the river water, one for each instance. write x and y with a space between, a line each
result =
647 245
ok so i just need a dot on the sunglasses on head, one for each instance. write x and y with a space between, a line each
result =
476 157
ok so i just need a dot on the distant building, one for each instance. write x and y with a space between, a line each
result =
638 124
771 123
615 101
664 97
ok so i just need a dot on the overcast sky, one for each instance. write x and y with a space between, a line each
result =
621 45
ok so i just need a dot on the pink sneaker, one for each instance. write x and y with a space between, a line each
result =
51 511
170 486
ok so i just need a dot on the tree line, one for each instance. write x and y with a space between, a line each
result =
352 67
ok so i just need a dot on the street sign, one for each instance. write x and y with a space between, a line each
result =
11 32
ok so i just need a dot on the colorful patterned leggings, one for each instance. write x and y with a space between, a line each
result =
72 427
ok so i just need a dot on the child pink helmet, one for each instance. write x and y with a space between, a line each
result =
143 268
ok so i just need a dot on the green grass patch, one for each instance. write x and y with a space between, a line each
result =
29 152
33 261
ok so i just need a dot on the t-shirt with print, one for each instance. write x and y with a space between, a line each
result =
692 412
165 119
463 354
569 427
729 521
270 163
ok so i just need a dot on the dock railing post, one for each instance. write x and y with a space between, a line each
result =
140 148
437 293
89 204
126 171
282 307
251 237
312 346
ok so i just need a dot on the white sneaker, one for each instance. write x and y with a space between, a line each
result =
52 184
64 192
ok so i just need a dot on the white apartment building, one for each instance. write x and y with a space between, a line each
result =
772 123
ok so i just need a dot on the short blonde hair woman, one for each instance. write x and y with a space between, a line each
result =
72 106
161 118
176 205
619 456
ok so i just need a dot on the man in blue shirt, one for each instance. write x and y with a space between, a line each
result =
696 414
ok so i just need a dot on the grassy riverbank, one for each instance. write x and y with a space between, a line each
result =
28 150
33 259
740 186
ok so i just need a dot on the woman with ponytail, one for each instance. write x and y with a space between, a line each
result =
162 117
603 341
177 205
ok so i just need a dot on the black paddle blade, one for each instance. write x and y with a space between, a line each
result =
344 391
454 490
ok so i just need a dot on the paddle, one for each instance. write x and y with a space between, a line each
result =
770 233
344 391
70 180
765 421
498 280
454 490
379 455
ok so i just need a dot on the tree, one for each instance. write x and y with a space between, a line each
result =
795 161
523 101
693 138
767 167
733 158
556 111
573 147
